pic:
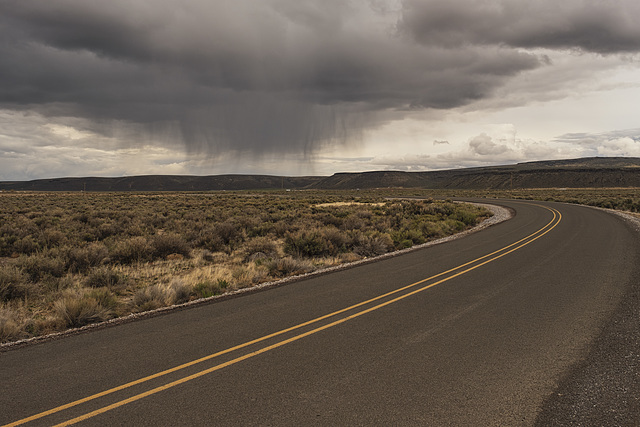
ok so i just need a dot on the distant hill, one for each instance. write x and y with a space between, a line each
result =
575 173
162 183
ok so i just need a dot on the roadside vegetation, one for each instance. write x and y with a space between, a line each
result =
623 199
71 259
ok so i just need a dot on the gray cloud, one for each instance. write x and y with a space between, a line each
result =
589 25
615 143
276 76
484 145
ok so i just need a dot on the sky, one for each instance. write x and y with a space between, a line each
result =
312 87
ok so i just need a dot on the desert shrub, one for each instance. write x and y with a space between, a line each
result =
209 239
337 239
404 244
433 230
169 243
103 277
26 245
287 266
13 283
454 225
6 247
261 229
134 229
10 326
414 235
373 245
353 222
262 245
308 244
52 237
53 284
210 288
107 229
80 310
281 228
80 259
330 220
42 265
230 234
131 250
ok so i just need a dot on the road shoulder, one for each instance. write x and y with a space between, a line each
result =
604 388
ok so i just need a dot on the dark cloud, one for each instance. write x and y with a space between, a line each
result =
274 75
589 25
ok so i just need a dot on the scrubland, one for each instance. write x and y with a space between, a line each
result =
71 259
623 199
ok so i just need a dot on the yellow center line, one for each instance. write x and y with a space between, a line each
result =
556 214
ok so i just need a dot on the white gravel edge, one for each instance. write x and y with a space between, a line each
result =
632 219
500 214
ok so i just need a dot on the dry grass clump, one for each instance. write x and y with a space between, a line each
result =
67 260
13 283
160 295
289 266
81 259
106 277
11 328
76 311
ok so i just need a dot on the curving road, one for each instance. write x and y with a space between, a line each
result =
477 331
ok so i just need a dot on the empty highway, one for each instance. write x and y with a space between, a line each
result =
481 330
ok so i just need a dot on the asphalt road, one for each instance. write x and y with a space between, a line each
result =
483 330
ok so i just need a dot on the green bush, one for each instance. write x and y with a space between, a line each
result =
210 288
308 244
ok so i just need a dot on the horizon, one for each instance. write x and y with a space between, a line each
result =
320 176
313 88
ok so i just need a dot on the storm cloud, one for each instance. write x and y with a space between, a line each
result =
589 25
277 76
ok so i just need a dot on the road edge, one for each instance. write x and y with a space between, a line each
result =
603 387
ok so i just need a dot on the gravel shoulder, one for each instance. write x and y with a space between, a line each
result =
604 388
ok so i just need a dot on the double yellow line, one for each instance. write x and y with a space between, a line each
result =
457 271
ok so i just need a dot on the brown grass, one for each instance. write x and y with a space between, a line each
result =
67 260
